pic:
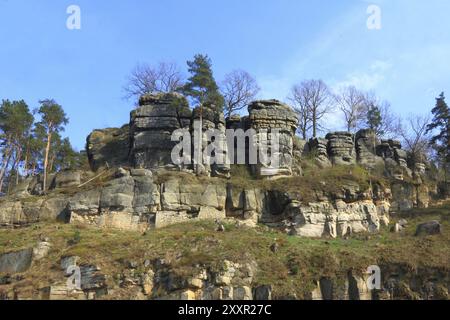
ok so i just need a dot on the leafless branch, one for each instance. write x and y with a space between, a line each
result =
239 88
164 77
311 100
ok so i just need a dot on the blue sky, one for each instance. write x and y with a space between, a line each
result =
280 42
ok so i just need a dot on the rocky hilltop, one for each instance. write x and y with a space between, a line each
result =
141 188
341 186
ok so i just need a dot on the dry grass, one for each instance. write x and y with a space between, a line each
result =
292 268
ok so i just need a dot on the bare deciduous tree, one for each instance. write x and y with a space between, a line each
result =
301 108
413 132
351 102
164 77
239 88
312 102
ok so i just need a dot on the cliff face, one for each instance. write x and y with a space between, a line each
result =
226 231
144 189
147 142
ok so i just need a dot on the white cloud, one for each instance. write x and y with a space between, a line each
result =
367 79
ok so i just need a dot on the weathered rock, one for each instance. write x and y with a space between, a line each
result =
41 250
341 148
85 203
263 293
25 187
65 179
200 201
55 208
212 128
118 195
242 293
147 282
428 228
146 195
109 146
152 125
91 278
318 147
266 117
16 262
392 149
366 149
13 212
339 219
68 262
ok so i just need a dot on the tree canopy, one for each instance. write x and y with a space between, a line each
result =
201 86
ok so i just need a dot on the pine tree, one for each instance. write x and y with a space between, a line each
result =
201 86
375 120
53 121
441 125
16 122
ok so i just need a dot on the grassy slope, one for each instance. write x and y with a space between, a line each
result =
291 269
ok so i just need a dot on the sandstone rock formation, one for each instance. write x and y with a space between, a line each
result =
108 146
319 148
265 117
366 145
341 148
212 127
151 128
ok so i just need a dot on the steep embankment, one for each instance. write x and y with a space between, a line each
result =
194 260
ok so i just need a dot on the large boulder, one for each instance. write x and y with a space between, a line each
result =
108 147
16 262
428 228
66 179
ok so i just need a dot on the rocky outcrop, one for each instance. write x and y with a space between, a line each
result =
32 210
108 147
16 262
366 144
151 128
230 281
265 117
341 148
84 282
226 280
126 202
319 149
406 196
336 219
212 127
395 157
66 179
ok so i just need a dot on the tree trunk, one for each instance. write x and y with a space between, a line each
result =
47 150
6 159
51 163
5 166
13 169
314 120
19 155
25 165
25 161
